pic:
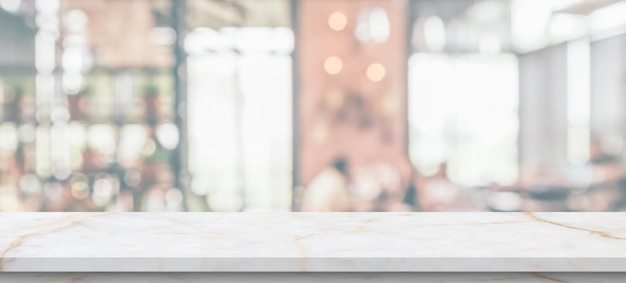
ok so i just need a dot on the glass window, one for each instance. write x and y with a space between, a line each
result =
472 123
240 117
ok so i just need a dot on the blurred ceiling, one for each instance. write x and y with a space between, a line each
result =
461 25
445 9
245 13
509 25
586 7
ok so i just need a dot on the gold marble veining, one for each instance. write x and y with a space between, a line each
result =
73 221
599 233
546 277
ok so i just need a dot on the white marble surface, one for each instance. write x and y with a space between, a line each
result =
319 242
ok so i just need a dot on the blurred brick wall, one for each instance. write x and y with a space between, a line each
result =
332 120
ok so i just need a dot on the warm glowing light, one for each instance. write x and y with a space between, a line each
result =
333 65
320 131
334 99
376 72
390 104
337 21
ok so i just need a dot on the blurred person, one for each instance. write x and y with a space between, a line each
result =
14 197
9 200
328 191
123 202
155 198
32 201
58 195
93 161
607 192
608 174
155 176
441 194
602 165
596 150
543 187
379 188
393 191
411 196
541 176
68 195
620 204
365 189
606 168
411 192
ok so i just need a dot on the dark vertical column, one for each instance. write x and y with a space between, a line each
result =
411 17
179 160
295 102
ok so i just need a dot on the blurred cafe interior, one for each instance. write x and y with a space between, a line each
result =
312 105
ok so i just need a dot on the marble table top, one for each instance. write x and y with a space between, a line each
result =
314 242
